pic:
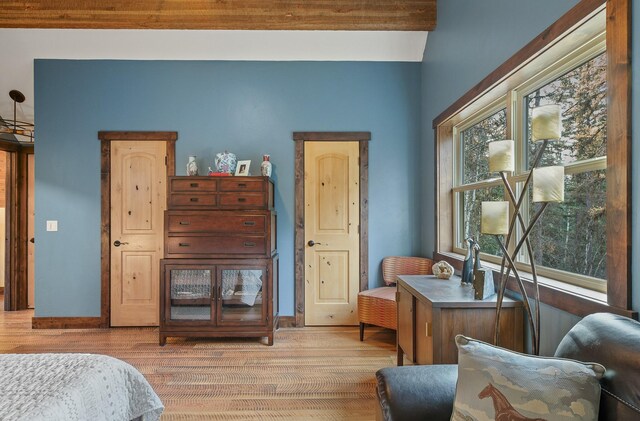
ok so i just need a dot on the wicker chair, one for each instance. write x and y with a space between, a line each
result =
378 306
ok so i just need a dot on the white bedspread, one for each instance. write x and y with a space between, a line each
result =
74 387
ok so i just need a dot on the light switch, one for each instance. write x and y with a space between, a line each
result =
52 225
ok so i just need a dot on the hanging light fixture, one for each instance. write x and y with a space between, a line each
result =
15 126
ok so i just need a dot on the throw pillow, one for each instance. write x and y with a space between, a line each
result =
498 384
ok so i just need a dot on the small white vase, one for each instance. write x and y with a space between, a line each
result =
265 167
192 166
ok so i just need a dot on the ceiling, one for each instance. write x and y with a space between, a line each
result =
310 30
356 15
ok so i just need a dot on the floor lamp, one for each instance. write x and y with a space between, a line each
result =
548 186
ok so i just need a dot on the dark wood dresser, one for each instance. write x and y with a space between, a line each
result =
431 312
220 273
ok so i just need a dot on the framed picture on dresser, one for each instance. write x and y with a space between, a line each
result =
243 168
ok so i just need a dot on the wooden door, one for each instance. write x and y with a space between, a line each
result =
30 230
331 217
138 201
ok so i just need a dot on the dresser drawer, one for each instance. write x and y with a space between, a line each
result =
192 200
238 184
189 184
242 200
216 221
215 245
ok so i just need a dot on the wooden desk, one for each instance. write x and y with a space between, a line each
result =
431 312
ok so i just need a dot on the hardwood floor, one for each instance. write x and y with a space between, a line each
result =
308 374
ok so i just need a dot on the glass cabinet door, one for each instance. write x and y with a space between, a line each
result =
190 294
241 295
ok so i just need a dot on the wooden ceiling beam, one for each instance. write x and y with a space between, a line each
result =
350 15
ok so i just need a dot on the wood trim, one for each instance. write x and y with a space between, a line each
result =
66 322
287 321
364 214
571 303
298 242
619 162
137 136
106 137
444 181
105 233
9 146
332 136
580 11
21 217
12 261
312 15
299 138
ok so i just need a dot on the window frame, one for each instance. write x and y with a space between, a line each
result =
516 126
566 33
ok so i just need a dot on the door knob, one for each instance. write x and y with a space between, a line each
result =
32 240
312 243
117 243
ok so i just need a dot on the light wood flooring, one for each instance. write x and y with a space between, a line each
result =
308 374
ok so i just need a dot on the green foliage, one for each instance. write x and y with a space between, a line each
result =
571 236
475 149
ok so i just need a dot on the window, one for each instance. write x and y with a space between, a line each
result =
587 74
477 184
569 242
571 237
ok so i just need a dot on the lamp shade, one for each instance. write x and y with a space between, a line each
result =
548 184
501 156
546 123
495 218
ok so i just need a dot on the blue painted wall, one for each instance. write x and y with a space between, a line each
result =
471 40
249 108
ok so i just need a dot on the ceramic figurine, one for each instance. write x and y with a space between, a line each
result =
265 167
226 162
477 265
467 265
442 270
192 166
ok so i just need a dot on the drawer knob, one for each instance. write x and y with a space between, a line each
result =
185 223
194 184
184 244
194 199
242 199
249 244
249 223
242 185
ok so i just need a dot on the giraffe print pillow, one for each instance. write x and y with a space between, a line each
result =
498 384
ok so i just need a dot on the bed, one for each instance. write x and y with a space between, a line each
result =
74 387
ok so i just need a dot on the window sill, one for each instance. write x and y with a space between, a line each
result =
570 298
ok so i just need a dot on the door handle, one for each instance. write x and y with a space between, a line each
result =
118 243
32 240
312 243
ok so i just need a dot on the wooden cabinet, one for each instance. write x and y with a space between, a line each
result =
431 312
220 193
218 297
220 272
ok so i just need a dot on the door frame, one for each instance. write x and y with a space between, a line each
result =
15 288
299 138
106 137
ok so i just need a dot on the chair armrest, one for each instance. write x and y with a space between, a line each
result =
423 392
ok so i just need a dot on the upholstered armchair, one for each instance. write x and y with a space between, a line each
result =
378 306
